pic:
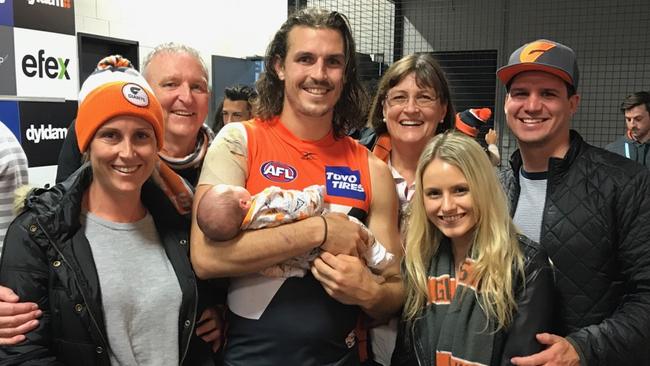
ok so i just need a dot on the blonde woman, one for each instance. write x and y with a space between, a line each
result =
477 291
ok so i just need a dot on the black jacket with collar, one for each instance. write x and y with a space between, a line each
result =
596 230
47 259
534 314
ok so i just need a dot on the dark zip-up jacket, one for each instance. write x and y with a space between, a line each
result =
633 150
47 259
534 314
596 230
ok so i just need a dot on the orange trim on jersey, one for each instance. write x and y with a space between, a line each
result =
382 147
276 157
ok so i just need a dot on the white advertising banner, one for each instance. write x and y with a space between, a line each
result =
46 64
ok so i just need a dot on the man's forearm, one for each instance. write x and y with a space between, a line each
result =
253 250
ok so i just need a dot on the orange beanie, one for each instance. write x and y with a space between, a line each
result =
111 92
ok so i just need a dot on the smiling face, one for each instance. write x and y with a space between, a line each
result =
538 111
412 113
123 154
312 71
448 201
181 86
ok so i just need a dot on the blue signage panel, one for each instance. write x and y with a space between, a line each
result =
9 116
6 12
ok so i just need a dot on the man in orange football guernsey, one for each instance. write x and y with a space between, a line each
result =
308 98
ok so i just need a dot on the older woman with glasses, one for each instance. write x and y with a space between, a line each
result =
412 104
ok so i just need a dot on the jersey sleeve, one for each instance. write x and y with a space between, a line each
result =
226 159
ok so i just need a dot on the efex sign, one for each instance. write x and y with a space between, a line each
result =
53 68
46 64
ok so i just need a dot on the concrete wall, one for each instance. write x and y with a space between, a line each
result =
227 28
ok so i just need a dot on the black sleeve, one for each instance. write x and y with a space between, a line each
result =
24 269
623 338
69 156
535 308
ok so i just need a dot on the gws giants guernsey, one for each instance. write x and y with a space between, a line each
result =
292 321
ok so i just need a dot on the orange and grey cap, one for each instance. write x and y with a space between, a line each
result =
542 55
116 90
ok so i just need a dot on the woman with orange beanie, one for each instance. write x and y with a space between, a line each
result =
104 254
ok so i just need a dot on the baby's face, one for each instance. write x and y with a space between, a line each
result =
242 194
234 192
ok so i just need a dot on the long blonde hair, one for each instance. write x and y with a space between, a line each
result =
499 259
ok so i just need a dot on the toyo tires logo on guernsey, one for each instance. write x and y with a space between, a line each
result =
342 181
276 171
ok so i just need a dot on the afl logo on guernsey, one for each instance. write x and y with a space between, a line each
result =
276 171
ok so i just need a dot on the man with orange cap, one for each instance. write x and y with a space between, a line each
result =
590 210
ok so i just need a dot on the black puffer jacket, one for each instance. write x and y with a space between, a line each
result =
534 315
46 259
596 230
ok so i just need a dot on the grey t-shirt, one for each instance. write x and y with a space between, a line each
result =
530 207
140 292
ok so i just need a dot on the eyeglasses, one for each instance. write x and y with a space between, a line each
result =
402 99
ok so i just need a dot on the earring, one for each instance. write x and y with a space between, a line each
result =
384 119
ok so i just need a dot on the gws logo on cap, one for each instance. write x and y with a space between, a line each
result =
534 50
53 68
135 94
276 171
342 181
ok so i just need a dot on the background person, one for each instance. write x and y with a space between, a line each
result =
589 208
477 123
477 291
236 106
97 230
635 143
13 174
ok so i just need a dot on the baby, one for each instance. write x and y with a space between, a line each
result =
225 210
